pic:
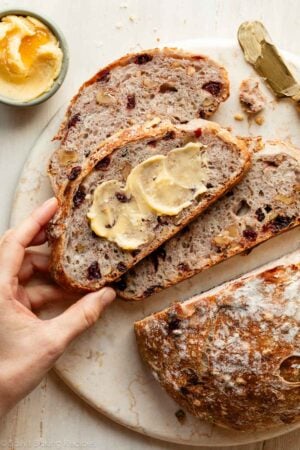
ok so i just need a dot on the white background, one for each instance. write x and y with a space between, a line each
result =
99 31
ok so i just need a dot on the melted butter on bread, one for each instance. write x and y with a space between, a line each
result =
160 185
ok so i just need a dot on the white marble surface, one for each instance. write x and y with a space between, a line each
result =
97 32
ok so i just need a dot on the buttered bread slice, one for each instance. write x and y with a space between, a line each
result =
140 188
167 83
264 204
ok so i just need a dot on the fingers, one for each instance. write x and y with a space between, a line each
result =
40 295
14 242
80 316
33 262
39 239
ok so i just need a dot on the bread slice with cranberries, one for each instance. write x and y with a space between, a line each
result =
83 260
264 204
167 83
231 355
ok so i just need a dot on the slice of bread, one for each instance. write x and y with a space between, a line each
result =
167 83
76 250
231 355
264 204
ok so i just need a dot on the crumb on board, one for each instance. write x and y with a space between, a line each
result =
259 120
251 98
239 117
132 18
119 25
180 416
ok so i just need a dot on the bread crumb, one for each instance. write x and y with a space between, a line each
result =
239 117
180 416
157 39
251 98
132 18
119 26
259 120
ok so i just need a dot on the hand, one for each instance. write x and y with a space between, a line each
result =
29 346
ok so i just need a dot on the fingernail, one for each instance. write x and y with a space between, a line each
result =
107 295
50 201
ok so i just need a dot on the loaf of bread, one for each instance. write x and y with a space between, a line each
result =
265 203
81 259
232 356
167 83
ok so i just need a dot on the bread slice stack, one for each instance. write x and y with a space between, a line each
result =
152 193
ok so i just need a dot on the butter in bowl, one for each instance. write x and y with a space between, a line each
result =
33 58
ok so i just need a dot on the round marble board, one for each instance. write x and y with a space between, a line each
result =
103 366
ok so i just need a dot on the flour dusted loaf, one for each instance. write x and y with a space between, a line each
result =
232 356
265 203
167 83
82 260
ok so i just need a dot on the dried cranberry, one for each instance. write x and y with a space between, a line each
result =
121 267
213 87
152 143
122 197
151 290
73 121
184 390
183 267
79 196
280 222
202 114
250 235
166 87
143 58
74 172
103 164
130 101
103 75
260 215
173 321
198 132
169 135
120 284
93 271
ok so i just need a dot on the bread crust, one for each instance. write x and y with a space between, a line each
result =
262 236
225 356
57 229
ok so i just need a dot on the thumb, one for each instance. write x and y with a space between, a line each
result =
81 315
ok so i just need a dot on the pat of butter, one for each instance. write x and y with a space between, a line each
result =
30 58
160 185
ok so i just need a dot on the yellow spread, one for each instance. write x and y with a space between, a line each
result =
160 185
30 58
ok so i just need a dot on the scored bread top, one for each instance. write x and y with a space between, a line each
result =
232 356
265 203
168 83
80 259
